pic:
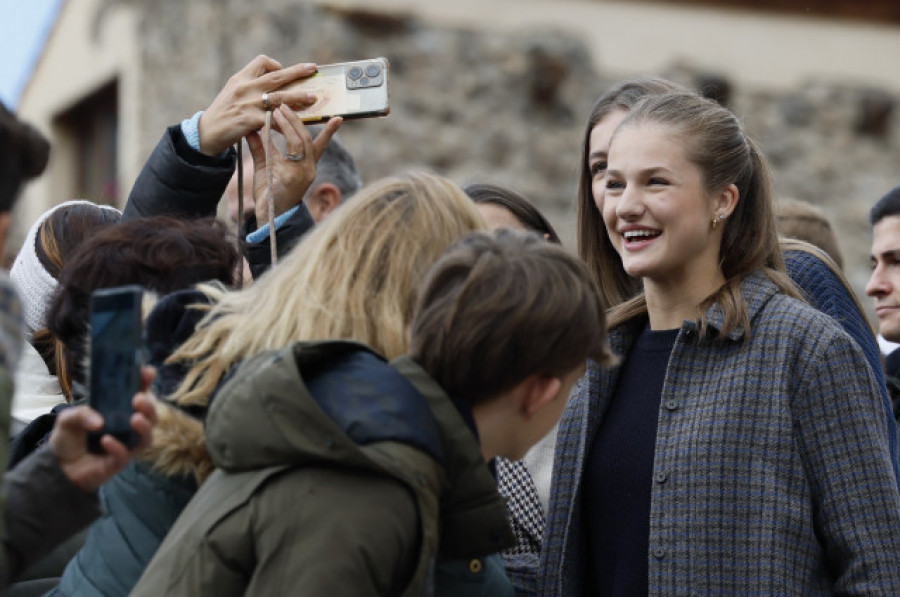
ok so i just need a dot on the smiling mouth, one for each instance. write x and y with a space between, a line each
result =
633 236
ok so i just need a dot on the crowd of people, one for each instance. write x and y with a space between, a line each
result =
410 387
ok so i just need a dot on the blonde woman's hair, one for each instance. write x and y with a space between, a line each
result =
807 222
356 276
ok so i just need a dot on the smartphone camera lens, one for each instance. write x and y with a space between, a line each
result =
373 70
364 81
355 73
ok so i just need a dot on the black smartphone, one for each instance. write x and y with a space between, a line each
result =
116 353
356 89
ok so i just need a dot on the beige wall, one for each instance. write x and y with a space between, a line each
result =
757 49
82 54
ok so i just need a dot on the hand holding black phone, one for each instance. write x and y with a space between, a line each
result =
116 351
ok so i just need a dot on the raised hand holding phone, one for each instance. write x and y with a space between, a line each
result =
68 441
291 177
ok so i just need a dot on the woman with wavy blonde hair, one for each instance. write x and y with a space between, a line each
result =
354 277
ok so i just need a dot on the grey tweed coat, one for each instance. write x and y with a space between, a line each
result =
773 472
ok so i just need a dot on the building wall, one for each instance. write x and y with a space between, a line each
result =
498 90
774 51
92 43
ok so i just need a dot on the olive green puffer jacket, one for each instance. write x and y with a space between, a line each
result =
337 474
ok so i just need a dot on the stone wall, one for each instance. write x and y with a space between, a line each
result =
509 107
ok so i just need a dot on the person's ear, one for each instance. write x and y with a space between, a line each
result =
541 390
322 201
726 201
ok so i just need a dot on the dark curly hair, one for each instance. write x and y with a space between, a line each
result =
24 153
162 254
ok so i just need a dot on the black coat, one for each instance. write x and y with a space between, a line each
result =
179 181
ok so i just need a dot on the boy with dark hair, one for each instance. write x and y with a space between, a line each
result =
339 473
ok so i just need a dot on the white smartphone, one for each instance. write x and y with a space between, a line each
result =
357 89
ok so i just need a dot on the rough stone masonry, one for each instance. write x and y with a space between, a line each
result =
509 107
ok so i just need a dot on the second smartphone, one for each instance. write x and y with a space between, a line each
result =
116 353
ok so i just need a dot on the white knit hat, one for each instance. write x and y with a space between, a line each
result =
36 285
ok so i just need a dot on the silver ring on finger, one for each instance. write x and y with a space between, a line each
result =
295 157
265 101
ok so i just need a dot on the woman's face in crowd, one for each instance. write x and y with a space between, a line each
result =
656 211
498 216
598 153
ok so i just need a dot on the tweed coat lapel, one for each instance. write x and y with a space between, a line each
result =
563 561
577 428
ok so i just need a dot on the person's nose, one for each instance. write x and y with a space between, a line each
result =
878 284
630 205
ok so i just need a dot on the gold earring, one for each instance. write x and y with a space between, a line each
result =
715 222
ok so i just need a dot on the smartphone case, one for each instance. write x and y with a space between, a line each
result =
357 89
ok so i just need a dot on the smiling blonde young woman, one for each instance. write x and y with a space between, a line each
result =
732 451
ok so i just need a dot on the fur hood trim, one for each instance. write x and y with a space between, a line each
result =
178 447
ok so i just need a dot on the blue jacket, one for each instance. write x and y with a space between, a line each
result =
139 508
143 501
773 472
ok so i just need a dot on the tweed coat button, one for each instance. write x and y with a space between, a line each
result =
661 477
659 553
671 404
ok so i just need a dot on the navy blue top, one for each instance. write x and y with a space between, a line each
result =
619 471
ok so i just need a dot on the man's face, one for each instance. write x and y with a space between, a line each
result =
884 283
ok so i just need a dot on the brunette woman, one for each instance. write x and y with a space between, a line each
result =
732 451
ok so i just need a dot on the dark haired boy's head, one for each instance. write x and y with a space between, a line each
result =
507 313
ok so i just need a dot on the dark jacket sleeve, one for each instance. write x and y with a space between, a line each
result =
259 255
179 181
42 509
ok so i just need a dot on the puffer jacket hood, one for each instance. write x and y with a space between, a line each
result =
331 403
353 398
314 445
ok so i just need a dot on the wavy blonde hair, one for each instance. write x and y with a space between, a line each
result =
356 276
